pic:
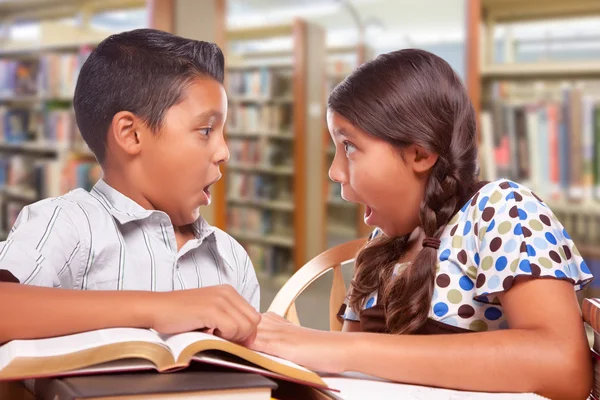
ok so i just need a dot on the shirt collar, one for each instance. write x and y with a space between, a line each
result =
125 210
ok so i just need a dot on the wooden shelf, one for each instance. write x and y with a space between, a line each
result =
518 10
261 100
282 170
23 194
276 205
37 50
540 71
341 204
255 135
342 230
270 240
20 99
36 149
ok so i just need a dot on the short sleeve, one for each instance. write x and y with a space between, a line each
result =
518 235
42 247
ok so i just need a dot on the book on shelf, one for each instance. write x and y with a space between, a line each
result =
131 349
550 144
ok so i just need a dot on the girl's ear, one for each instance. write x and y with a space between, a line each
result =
421 159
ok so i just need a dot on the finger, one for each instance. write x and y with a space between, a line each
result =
245 327
243 306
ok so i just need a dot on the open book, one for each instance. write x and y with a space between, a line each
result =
127 349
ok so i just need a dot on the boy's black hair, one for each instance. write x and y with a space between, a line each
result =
144 71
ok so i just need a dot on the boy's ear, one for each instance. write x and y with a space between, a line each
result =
125 126
422 159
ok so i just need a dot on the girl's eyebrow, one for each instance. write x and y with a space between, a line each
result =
342 132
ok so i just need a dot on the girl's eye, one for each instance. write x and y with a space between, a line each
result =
349 148
205 131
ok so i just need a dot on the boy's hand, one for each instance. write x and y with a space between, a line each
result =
216 309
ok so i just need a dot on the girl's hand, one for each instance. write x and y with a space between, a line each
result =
317 350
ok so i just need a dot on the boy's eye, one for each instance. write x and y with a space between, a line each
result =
205 131
349 148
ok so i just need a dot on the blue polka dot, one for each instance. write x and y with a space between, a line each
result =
584 268
559 274
467 228
540 243
370 302
450 321
483 298
483 243
493 313
525 266
464 208
550 237
476 257
470 243
512 184
510 246
558 235
483 202
503 325
491 225
494 282
518 229
522 215
440 309
444 242
573 270
501 263
530 250
434 296
454 269
531 206
510 196
502 209
466 283
566 234
445 255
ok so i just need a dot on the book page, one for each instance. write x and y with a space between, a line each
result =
68 344
358 389
177 343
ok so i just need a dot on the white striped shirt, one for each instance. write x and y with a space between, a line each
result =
102 240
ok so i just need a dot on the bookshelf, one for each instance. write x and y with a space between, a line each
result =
42 153
539 122
271 202
345 221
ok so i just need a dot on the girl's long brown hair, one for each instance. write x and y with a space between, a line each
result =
411 97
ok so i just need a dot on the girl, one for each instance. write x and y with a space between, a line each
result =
484 267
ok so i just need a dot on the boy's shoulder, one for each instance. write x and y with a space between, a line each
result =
230 249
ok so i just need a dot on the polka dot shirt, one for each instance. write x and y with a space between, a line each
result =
502 232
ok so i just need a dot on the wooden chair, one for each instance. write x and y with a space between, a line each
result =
284 302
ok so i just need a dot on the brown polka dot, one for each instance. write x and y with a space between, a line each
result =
518 196
474 201
453 231
545 220
523 247
466 311
504 185
488 214
526 232
443 280
555 257
535 270
495 244
567 252
480 280
476 229
462 256
537 198
514 212
508 282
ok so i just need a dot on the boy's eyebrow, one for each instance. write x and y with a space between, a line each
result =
209 115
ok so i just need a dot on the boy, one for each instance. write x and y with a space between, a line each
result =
134 252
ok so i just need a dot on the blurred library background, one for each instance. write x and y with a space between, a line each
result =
532 70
